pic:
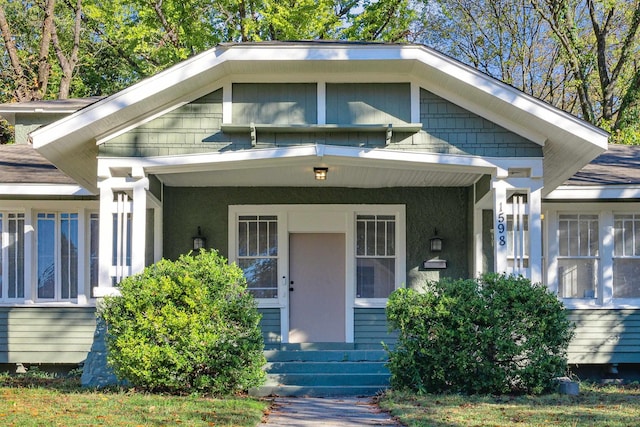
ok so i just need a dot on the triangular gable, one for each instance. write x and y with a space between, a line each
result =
568 143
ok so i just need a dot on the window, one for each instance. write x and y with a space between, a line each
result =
12 260
626 256
578 251
375 255
258 253
57 262
94 245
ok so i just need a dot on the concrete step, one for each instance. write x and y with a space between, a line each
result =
326 367
325 355
328 380
317 391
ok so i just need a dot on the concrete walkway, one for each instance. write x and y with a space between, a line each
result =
330 412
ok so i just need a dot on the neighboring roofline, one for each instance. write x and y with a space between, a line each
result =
68 135
55 106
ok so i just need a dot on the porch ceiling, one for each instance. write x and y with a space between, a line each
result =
341 174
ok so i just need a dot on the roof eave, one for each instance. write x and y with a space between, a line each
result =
461 84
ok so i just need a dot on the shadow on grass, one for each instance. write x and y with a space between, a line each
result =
613 406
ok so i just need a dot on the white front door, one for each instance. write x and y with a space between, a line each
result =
317 287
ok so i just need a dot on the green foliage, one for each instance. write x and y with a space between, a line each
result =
498 334
186 326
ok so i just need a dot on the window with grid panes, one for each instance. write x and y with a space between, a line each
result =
11 255
57 261
375 255
578 255
258 253
626 256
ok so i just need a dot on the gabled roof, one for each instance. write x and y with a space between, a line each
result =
568 143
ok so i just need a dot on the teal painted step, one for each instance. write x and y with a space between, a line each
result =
291 390
324 369
298 367
325 355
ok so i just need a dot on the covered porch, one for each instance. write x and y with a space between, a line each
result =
321 256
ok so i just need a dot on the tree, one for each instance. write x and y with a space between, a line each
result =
29 62
575 54
599 40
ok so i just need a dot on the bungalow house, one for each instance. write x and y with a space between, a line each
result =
332 173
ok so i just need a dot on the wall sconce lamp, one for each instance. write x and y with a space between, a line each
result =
320 173
199 241
435 242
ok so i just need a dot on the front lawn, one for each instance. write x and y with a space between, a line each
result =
611 406
46 401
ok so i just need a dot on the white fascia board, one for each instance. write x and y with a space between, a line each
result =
594 192
43 190
260 157
456 71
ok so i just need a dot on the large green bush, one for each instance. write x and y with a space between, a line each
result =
185 326
498 334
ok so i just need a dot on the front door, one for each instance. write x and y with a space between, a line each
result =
317 287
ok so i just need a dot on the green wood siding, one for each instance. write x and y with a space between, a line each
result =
605 336
444 208
451 129
275 103
370 327
191 128
46 334
196 127
270 325
368 103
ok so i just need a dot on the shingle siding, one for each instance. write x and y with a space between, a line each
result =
196 127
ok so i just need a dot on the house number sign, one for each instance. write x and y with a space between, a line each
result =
501 226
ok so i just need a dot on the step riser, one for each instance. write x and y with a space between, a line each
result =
326 356
316 391
326 368
333 380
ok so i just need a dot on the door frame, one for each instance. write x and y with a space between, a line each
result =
320 218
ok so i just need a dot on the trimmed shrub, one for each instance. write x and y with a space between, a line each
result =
495 335
185 326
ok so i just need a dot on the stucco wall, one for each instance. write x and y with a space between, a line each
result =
186 208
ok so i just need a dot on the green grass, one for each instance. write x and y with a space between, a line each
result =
611 406
32 401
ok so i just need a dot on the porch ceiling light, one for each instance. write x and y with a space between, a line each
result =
435 242
199 241
320 173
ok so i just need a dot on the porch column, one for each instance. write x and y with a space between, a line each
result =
122 230
535 235
517 227
500 227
